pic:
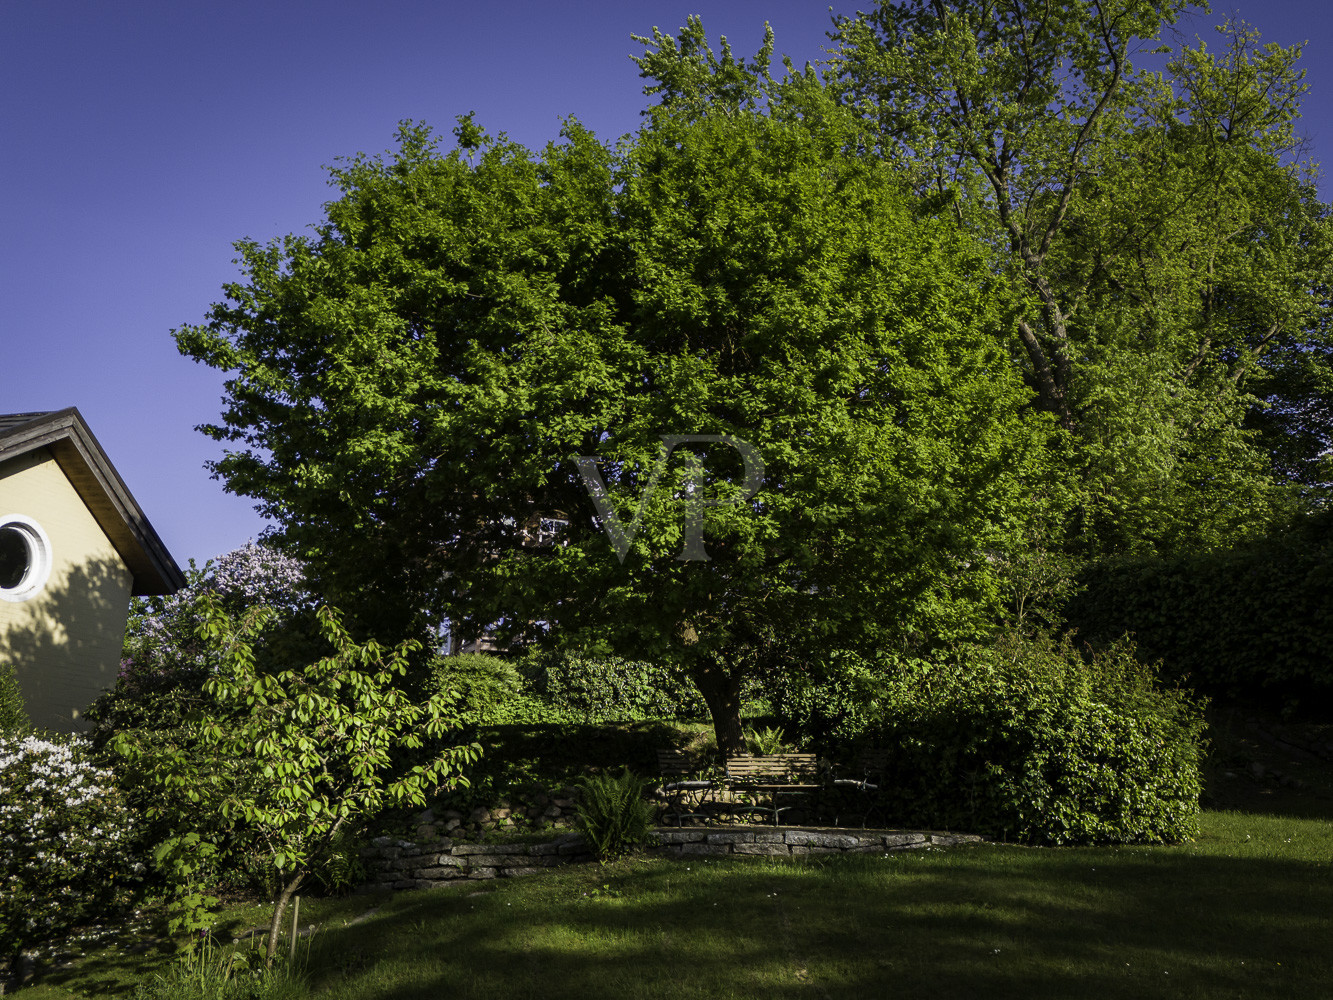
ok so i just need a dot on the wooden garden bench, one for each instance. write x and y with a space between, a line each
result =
686 793
774 775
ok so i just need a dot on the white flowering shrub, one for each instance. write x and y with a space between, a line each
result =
65 855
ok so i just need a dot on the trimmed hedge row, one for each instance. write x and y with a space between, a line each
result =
1028 740
1250 624
563 687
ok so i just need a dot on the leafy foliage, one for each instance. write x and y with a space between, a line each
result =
1031 741
1168 254
297 754
340 869
612 689
485 689
66 833
743 275
1252 624
833 696
14 719
614 814
165 662
769 740
159 702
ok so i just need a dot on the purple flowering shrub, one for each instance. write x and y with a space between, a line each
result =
165 663
161 630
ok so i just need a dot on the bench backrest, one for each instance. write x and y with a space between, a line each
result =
675 763
772 767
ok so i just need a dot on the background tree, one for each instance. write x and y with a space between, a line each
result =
1164 246
414 386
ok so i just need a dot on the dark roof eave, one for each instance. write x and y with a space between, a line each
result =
88 469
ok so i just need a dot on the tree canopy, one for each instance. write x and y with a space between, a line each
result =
414 387
807 363
1168 251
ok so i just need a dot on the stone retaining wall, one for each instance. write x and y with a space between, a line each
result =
783 843
403 864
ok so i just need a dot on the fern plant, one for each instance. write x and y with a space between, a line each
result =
613 815
769 740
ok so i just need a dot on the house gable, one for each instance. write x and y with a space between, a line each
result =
89 548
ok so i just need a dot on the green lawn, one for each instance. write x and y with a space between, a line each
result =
1242 912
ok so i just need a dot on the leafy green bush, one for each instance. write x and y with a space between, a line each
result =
304 753
66 858
13 716
149 699
1030 741
614 815
611 689
487 689
1252 624
834 699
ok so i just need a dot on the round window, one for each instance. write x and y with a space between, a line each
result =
25 558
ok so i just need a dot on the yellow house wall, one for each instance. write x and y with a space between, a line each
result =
65 641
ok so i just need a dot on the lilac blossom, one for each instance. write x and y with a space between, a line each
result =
160 636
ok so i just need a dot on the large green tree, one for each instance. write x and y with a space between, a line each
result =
758 380
1167 250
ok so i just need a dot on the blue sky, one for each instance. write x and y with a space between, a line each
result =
139 141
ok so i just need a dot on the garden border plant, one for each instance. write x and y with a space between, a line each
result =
67 842
13 714
1033 740
299 755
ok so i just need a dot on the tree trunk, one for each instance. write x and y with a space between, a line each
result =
722 693
279 908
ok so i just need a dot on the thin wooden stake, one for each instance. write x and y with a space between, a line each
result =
296 913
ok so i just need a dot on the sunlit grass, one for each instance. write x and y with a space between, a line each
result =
1243 911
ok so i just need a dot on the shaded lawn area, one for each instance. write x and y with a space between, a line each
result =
1242 912
1226 916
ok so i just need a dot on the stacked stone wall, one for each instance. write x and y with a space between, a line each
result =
405 864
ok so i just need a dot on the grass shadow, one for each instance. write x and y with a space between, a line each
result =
1198 920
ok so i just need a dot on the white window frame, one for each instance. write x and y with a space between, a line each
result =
39 559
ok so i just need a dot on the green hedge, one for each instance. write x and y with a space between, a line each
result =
1252 624
611 689
488 688
563 688
1028 740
